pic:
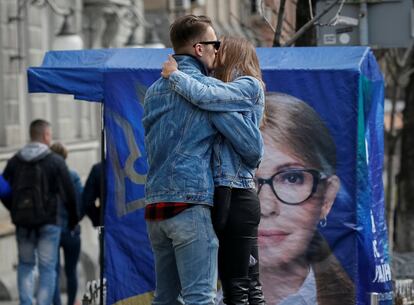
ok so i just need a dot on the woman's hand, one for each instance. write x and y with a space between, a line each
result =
169 67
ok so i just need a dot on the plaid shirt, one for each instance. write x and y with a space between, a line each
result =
164 210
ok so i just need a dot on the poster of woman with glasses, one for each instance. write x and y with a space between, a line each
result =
297 186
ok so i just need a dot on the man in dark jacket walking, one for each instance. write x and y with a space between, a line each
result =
39 179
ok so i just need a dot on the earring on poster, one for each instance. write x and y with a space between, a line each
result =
323 222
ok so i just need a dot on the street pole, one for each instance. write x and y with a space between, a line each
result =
373 298
363 23
101 228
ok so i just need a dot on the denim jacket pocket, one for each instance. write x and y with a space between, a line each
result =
189 171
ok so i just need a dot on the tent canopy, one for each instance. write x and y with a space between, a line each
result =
80 73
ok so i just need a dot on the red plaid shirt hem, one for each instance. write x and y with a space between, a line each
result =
164 210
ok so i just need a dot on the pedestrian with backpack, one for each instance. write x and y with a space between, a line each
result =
37 178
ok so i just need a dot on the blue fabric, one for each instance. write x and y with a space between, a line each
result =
91 90
81 72
326 58
186 250
129 267
5 190
343 84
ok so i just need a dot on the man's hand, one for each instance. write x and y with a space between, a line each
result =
169 67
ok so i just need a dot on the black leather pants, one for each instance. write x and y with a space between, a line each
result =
239 273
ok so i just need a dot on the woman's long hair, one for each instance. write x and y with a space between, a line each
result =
292 123
237 57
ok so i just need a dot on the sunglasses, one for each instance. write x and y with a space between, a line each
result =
216 43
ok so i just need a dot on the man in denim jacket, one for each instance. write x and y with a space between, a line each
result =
179 139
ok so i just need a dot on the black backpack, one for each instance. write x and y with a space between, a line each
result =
31 206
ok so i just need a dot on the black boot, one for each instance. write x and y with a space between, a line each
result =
235 291
255 292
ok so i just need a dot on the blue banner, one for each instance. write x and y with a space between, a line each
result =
343 90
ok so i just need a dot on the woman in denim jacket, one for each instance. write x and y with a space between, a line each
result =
236 222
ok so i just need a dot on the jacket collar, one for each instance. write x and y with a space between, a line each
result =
188 60
33 151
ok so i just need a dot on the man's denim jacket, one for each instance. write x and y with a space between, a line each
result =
244 95
179 139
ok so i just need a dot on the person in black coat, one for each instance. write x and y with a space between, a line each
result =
91 192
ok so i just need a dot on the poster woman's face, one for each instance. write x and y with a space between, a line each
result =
286 230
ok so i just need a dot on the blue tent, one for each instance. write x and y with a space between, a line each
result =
344 86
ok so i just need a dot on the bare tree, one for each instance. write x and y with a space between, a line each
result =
405 196
396 65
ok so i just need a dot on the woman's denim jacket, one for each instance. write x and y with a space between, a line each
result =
244 95
179 139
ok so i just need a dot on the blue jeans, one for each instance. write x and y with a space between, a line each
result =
185 252
70 242
42 245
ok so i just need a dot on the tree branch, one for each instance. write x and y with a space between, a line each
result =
280 16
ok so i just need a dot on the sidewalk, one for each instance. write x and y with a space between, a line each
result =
16 302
